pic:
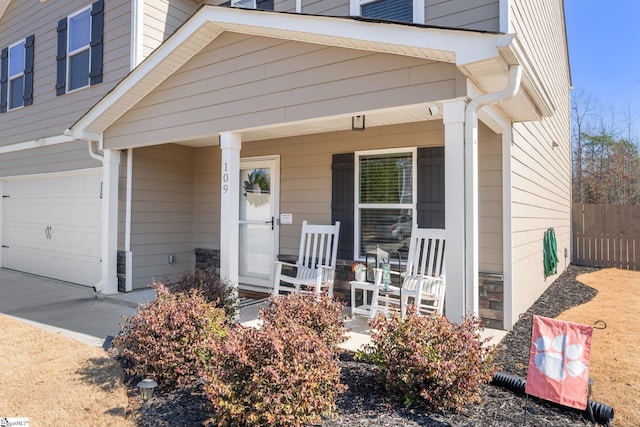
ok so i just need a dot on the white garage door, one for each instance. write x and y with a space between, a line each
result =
51 226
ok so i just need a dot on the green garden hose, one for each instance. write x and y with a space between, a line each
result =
550 253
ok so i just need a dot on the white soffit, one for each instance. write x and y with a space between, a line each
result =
445 45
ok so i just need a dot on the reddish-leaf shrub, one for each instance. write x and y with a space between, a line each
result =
167 339
322 314
271 376
212 287
430 361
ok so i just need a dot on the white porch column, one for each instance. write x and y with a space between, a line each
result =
471 211
110 175
455 299
230 144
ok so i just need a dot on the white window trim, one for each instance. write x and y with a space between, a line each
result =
356 192
71 53
11 77
418 9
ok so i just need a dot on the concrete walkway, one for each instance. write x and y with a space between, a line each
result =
80 313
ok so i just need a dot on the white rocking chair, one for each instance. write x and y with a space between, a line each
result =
316 265
423 282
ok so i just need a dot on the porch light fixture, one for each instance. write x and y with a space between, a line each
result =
146 387
357 123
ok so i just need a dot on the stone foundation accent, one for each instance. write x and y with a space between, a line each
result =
206 258
491 301
121 271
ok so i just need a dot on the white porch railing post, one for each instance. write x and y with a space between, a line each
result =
455 297
230 144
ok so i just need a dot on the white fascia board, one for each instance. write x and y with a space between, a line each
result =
454 46
461 45
35 143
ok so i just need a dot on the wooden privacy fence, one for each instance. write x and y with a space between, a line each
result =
606 236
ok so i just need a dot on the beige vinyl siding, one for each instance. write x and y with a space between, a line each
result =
490 201
206 198
161 18
541 177
326 7
474 15
284 5
162 212
241 81
54 158
50 115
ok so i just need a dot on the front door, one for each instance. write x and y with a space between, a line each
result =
258 221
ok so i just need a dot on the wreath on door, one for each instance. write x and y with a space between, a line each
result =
256 187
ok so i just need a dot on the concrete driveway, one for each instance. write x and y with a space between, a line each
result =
71 310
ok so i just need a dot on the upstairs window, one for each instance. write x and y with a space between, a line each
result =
250 4
396 10
80 49
16 80
393 10
16 75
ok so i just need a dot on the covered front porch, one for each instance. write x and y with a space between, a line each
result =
232 91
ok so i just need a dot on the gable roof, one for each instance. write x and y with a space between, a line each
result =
464 48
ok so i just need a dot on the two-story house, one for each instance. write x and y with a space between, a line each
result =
137 136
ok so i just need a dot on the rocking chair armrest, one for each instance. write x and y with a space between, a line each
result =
289 264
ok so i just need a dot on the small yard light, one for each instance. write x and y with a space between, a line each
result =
146 387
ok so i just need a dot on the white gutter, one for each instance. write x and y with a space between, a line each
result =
471 182
93 151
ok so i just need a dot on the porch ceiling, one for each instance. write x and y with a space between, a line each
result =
481 56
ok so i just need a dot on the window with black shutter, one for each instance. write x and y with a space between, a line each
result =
80 49
376 201
16 75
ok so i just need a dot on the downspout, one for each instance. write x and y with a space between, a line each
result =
471 182
93 152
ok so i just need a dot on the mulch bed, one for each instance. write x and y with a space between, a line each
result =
365 402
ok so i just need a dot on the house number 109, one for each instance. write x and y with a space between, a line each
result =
225 178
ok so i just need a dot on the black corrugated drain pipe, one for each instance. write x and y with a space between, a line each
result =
598 412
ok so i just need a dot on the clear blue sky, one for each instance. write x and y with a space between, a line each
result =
604 50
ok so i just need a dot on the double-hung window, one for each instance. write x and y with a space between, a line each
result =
385 199
16 79
80 49
394 10
16 75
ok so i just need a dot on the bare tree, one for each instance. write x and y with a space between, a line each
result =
582 107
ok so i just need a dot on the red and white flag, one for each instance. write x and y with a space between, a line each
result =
559 362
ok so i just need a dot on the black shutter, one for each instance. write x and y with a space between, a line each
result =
28 71
264 4
97 30
430 204
342 201
61 57
4 78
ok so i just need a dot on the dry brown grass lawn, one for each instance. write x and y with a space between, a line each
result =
57 381
615 351
54 380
